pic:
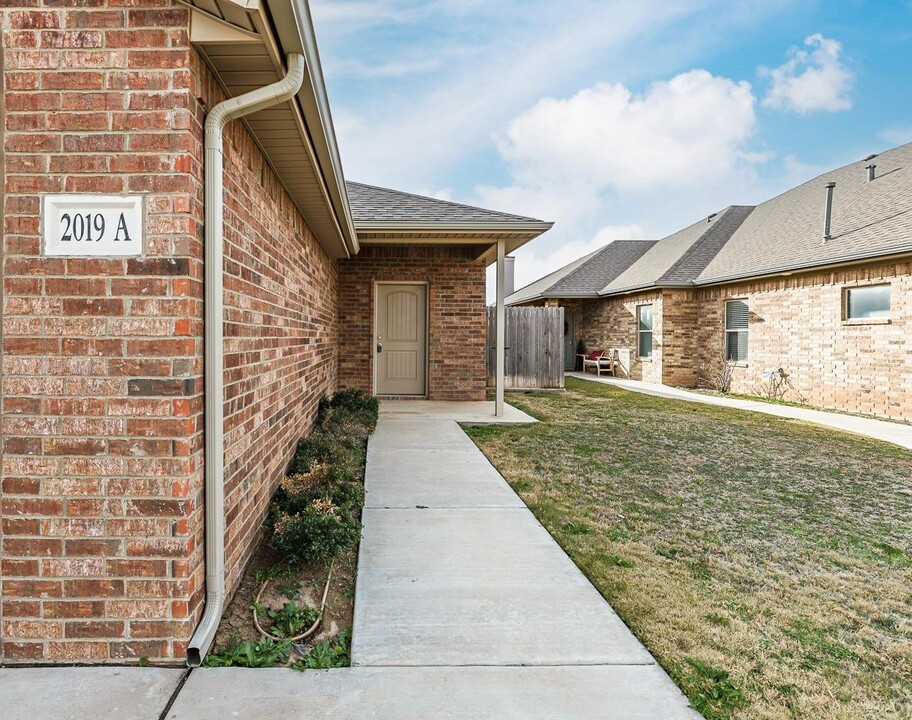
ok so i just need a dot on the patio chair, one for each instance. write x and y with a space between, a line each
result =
600 361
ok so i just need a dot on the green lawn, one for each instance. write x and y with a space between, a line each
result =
766 563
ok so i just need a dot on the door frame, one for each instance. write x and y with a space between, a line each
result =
375 365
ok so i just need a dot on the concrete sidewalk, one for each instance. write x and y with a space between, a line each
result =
465 608
86 693
891 432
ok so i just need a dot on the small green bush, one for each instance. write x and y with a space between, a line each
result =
351 402
315 513
332 653
251 654
319 532
319 447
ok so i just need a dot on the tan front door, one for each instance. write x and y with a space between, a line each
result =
401 345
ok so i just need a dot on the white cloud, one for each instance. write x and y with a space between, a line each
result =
813 79
682 131
493 60
571 159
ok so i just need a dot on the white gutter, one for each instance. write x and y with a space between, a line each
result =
218 117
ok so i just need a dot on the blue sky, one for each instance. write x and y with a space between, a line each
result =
616 119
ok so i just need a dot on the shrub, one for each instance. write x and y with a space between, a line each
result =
320 531
350 413
321 447
353 402
316 508
333 484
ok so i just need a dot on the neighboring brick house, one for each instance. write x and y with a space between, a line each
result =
765 289
103 532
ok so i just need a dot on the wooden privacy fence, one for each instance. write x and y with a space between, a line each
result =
534 347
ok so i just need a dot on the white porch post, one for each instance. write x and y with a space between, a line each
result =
501 334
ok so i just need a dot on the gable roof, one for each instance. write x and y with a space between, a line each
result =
585 276
372 205
870 219
382 215
679 258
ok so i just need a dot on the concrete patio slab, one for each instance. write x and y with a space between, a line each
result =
475 586
891 432
638 692
86 693
481 411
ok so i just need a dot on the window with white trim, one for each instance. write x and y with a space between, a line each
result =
644 331
736 328
868 302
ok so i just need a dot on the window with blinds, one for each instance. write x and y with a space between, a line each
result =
736 329
644 331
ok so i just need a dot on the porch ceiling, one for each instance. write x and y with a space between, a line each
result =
483 238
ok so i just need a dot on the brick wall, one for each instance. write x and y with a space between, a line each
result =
797 323
456 299
611 323
101 358
280 337
678 340
101 507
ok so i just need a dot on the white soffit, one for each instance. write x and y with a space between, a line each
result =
237 41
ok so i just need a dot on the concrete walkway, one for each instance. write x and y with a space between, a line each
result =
86 693
891 432
465 606
465 609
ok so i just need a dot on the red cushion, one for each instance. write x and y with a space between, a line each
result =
595 354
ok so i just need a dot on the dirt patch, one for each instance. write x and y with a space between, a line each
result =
302 583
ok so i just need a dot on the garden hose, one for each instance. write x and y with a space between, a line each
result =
307 633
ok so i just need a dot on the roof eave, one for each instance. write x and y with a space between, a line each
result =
298 36
282 27
536 227
518 301
902 251
646 286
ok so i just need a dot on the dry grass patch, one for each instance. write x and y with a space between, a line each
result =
766 563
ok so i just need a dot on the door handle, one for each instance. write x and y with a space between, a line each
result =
379 344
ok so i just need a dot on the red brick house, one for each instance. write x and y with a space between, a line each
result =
816 281
173 202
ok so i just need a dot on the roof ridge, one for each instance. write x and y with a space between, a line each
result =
452 203
698 244
580 261
616 249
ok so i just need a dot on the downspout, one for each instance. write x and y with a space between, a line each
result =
218 117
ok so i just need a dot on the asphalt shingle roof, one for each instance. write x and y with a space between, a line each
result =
586 276
371 204
679 258
786 233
